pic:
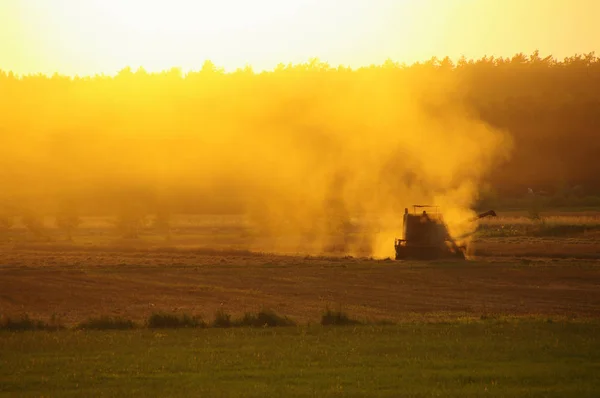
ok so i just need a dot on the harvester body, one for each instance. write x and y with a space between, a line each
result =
426 236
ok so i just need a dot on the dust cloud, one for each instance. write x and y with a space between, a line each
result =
317 159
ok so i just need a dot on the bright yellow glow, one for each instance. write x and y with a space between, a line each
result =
103 36
106 35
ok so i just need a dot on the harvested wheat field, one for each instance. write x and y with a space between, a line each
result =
75 285
517 268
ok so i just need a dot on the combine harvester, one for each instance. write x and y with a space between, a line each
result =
426 236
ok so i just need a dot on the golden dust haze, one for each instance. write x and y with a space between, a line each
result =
301 150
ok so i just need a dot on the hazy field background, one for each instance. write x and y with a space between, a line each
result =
508 232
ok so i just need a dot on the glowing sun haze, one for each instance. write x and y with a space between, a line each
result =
103 36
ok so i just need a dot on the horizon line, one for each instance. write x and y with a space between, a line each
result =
309 60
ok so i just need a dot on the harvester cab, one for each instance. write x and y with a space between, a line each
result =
426 236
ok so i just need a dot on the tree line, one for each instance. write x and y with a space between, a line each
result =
101 134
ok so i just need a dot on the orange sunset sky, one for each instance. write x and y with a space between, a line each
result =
103 36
